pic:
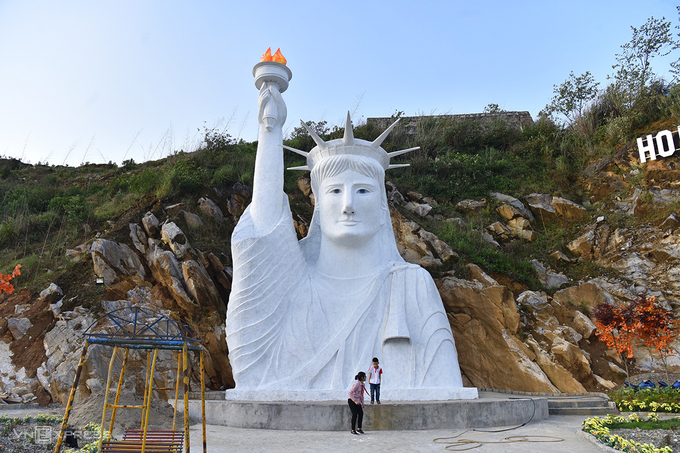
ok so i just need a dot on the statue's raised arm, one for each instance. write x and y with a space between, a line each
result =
268 193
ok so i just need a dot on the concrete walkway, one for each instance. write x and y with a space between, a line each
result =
223 439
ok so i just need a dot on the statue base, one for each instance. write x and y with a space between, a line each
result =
392 395
489 410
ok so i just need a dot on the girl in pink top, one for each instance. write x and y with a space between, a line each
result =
356 402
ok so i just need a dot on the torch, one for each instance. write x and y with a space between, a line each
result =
272 69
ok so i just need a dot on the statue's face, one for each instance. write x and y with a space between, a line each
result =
349 208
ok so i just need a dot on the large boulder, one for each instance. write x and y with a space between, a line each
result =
559 376
422 209
167 272
223 278
508 212
200 286
411 245
393 195
484 320
551 280
111 258
521 228
63 346
78 252
515 203
209 208
138 237
571 357
589 294
440 248
471 206
174 237
539 203
151 224
18 327
593 243
583 325
500 230
192 220
568 208
533 299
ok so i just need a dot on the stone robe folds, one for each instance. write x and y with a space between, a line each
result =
296 334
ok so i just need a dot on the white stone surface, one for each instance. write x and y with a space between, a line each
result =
305 317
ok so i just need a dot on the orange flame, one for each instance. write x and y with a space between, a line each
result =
277 57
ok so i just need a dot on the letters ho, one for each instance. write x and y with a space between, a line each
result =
664 144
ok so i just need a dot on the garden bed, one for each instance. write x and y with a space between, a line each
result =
38 434
634 434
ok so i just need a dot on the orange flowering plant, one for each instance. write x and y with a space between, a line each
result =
643 320
5 285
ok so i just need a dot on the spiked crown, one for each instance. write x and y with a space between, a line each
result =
349 145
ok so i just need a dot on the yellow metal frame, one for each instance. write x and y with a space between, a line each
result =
183 373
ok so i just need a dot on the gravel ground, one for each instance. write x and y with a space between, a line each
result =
657 437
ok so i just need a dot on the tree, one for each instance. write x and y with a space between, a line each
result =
633 67
675 66
655 327
5 285
572 96
643 320
616 327
301 139
493 108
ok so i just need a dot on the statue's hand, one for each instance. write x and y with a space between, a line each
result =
272 110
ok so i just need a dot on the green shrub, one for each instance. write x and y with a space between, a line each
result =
145 182
7 233
94 189
73 207
469 244
183 177
455 176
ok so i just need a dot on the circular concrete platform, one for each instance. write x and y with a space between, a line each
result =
487 411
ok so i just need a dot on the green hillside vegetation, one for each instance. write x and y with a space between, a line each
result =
47 209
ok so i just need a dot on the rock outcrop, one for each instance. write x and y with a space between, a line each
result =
111 259
507 337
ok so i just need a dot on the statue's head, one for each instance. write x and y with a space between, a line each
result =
348 181
349 191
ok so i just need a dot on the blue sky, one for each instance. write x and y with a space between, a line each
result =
93 81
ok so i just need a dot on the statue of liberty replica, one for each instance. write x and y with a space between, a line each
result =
305 316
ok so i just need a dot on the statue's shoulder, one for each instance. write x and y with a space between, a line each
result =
411 269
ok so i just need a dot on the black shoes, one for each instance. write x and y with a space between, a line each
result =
354 432
360 431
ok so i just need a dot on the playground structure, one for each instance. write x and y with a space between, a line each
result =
142 329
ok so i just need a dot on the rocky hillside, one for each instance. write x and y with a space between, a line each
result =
519 267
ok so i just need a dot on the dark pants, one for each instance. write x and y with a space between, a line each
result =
357 413
375 390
